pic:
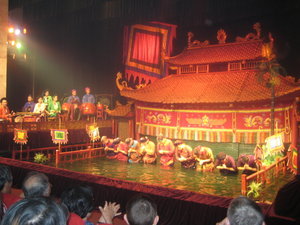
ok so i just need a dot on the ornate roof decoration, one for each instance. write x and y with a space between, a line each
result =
221 36
217 87
120 110
251 36
195 43
123 85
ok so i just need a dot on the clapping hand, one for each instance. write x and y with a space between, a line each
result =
109 211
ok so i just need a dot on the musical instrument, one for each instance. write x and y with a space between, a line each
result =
66 107
88 109
26 117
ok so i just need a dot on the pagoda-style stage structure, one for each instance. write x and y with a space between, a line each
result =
212 93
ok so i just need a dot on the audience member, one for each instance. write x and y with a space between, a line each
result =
6 180
79 201
36 184
141 210
243 211
35 211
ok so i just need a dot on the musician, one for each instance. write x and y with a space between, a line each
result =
54 107
225 163
75 101
47 99
205 158
40 108
88 97
29 105
166 150
184 154
5 114
134 155
148 150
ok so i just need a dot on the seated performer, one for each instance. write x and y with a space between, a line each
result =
120 149
5 114
184 154
148 150
54 107
75 101
225 163
47 99
205 158
166 150
134 155
29 105
246 163
109 147
40 108
88 97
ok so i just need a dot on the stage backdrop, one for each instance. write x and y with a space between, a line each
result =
243 126
145 46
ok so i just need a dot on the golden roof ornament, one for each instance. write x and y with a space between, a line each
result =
251 36
195 43
221 36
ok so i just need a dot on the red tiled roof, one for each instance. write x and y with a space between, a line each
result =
219 53
120 110
219 87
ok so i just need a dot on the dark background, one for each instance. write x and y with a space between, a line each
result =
78 43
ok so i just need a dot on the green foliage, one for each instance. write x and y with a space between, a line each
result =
40 158
254 189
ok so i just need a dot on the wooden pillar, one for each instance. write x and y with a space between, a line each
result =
244 184
295 131
3 46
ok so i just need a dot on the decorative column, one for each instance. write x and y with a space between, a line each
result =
3 46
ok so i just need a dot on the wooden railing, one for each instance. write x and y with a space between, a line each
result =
62 157
262 176
28 154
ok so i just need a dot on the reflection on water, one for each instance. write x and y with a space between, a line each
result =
185 179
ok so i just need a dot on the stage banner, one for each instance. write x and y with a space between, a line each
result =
20 136
59 136
243 126
148 45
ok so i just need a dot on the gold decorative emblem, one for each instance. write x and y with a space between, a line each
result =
159 118
205 121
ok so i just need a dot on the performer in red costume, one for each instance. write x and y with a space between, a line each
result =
121 150
109 147
166 150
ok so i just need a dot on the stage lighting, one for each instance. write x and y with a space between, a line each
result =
11 30
18 45
17 32
13 43
24 31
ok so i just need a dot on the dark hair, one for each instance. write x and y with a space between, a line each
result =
78 200
1 210
178 142
144 139
5 175
141 210
243 211
3 99
44 92
35 184
221 156
116 141
245 159
35 211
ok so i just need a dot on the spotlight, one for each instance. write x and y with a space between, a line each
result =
11 30
18 45
17 32
24 31
13 43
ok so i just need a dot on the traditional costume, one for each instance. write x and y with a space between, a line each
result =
148 151
205 158
228 164
184 154
246 161
134 155
5 113
122 151
28 107
54 108
75 101
166 150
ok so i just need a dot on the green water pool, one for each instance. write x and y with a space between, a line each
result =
176 177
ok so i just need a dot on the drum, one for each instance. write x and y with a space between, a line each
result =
66 107
32 118
88 109
18 119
